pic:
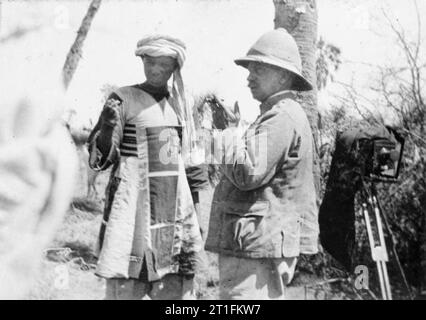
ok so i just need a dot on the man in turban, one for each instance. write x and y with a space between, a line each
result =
150 238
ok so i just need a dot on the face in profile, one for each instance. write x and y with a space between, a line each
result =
158 70
265 80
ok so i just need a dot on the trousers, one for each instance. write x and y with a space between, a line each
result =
254 279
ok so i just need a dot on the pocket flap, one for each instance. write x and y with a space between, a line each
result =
259 208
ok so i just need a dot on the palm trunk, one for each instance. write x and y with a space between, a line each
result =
299 18
75 52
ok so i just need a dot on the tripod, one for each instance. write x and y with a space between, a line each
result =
372 216
372 213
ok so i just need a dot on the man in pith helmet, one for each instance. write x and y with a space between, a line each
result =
264 211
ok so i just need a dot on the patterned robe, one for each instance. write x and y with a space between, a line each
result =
150 226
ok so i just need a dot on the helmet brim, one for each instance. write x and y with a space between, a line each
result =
300 83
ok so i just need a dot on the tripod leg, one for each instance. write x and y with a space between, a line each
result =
369 230
378 252
380 229
384 254
374 250
386 281
393 248
381 280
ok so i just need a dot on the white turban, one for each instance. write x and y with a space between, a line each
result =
163 45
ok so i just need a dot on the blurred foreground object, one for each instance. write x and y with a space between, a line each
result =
37 168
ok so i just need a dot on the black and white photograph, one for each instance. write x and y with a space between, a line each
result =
212 150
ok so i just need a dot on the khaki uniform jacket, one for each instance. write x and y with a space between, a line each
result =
265 205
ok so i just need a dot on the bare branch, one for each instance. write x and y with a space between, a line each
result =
419 29
75 52
415 136
352 99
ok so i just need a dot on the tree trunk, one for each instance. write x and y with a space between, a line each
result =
75 52
299 18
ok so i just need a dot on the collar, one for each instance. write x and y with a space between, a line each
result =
157 93
272 100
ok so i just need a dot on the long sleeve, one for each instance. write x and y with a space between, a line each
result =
251 161
99 160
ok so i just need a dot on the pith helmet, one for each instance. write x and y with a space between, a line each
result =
278 48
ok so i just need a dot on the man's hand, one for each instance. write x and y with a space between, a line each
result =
110 113
226 117
233 117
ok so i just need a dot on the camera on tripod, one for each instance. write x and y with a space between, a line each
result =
363 156
384 159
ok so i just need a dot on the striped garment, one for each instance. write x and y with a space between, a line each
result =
150 226
128 145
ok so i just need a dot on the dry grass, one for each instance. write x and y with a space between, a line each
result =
71 255
73 250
